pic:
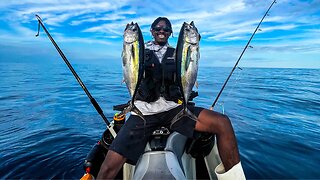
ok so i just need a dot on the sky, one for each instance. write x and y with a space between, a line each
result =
91 30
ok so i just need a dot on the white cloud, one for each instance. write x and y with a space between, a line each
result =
105 17
291 23
280 27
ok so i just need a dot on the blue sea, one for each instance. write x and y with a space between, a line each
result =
47 124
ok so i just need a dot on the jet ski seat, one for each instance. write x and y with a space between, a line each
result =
162 164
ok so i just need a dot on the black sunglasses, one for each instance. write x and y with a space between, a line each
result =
165 29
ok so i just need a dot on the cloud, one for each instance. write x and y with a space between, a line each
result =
109 17
56 12
293 25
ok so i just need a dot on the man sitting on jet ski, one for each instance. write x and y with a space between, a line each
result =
160 107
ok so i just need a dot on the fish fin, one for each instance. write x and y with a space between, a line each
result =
183 113
127 26
196 84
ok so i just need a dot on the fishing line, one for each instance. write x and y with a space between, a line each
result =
222 102
245 48
92 100
234 85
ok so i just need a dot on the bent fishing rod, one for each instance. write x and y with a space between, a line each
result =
237 62
92 100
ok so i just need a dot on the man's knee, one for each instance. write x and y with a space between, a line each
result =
220 122
225 125
225 119
213 122
111 164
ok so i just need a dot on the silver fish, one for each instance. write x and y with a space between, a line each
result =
187 59
132 60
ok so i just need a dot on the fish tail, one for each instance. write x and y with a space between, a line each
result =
126 110
138 113
132 108
185 112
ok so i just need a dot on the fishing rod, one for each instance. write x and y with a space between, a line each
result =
92 100
245 48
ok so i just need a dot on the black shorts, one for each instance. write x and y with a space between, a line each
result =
135 133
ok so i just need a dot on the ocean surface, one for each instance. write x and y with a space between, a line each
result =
47 124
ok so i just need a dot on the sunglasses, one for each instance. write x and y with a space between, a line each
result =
165 29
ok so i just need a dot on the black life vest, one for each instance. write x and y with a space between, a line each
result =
159 78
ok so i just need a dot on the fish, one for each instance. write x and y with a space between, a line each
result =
187 63
132 62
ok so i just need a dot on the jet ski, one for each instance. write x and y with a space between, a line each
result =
167 155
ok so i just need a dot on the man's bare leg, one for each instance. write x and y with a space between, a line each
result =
216 123
111 165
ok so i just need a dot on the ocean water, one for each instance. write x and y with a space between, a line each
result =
47 124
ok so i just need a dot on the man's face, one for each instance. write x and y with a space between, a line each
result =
161 32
